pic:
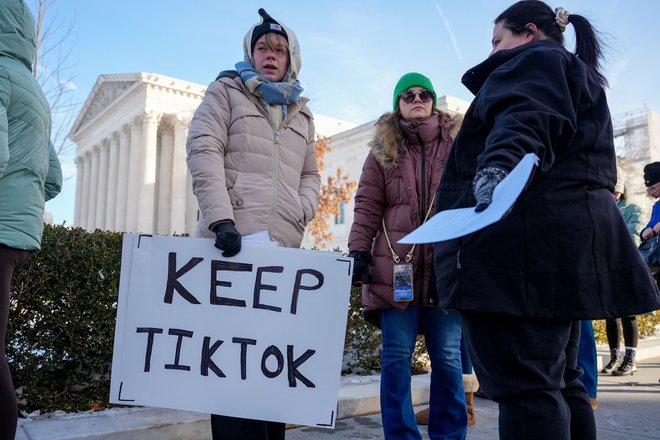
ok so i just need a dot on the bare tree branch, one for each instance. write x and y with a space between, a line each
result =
52 67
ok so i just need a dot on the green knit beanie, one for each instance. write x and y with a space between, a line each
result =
412 79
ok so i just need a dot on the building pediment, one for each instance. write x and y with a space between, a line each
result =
107 90
106 95
110 89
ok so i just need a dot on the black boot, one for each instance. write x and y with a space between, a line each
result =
612 364
628 366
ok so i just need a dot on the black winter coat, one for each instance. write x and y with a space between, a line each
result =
563 251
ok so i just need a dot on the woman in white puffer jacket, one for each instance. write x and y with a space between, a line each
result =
252 157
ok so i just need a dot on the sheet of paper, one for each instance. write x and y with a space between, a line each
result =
261 238
455 223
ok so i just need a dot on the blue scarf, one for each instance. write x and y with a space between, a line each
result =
283 93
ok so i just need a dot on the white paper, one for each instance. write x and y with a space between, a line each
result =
260 237
454 223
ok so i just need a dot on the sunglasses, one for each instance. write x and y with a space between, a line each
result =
653 188
409 96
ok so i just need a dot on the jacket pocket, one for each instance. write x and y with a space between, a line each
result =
296 137
300 216
234 192
299 125
235 199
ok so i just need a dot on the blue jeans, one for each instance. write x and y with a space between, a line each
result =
447 409
587 358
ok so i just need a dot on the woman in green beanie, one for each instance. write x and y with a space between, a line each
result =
395 195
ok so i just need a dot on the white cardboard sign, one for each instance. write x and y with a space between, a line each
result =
259 335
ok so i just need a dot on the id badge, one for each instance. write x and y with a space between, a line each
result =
403 282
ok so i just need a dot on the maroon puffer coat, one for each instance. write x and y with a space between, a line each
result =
398 181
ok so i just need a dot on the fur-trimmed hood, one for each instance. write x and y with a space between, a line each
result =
390 142
396 191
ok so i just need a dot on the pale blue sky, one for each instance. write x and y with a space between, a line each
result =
353 52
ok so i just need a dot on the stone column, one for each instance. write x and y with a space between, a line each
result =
80 175
122 178
180 179
93 189
192 208
148 183
102 189
164 187
113 168
135 175
84 196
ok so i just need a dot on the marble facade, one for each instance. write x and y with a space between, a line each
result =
130 155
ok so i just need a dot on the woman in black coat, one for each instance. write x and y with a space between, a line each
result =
562 253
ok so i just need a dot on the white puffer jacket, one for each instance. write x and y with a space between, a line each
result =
245 171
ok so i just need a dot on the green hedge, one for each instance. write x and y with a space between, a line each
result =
62 315
61 320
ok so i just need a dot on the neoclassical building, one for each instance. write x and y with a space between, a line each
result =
130 137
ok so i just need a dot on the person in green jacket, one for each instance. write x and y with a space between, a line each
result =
30 172
624 365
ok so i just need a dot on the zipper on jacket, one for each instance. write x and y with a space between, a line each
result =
458 259
273 203
422 212
423 157
459 266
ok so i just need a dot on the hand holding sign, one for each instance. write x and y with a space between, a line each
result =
227 238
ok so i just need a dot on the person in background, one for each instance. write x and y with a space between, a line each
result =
587 353
30 172
395 195
252 157
631 213
625 365
524 283
652 182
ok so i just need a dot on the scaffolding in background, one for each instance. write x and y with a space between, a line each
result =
631 134
637 142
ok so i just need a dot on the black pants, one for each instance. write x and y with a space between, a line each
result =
10 259
234 428
529 367
630 332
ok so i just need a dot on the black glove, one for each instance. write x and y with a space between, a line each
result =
227 238
361 262
484 184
